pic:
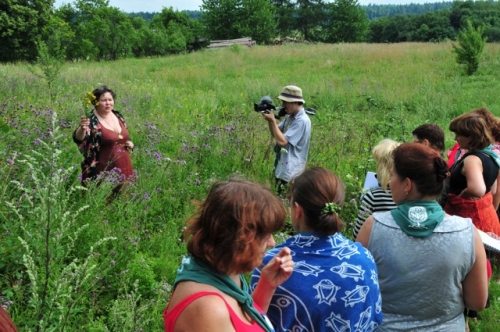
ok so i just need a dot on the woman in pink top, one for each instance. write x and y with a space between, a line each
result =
229 236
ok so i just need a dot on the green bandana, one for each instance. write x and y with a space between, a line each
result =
489 152
418 218
192 269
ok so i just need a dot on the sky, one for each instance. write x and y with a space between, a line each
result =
156 6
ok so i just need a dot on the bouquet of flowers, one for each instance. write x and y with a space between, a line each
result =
89 102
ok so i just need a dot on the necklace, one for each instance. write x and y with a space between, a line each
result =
113 128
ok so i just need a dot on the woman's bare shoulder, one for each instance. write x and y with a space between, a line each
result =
206 313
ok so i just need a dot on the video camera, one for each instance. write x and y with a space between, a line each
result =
266 104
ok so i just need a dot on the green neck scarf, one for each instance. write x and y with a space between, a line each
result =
489 152
192 269
418 218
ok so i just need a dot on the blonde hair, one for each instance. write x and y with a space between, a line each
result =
383 155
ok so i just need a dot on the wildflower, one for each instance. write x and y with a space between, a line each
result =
112 262
89 100
146 196
10 161
197 182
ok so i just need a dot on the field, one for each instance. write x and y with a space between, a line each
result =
70 260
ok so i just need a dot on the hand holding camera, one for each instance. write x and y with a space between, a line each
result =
266 105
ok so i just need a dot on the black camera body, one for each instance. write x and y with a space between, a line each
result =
266 104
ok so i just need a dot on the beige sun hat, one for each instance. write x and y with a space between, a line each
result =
292 94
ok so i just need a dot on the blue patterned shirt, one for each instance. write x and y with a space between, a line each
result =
334 286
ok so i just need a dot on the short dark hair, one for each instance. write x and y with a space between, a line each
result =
98 92
312 190
423 165
228 229
433 133
473 125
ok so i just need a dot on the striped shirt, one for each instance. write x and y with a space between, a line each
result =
375 200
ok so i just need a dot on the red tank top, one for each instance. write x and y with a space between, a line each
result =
170 318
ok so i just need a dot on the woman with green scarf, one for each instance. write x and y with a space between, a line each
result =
430 265
473 180
228 237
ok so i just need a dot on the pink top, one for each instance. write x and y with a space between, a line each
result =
170 318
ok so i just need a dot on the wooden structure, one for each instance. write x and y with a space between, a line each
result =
288 40
247 41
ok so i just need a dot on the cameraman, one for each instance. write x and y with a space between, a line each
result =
292 135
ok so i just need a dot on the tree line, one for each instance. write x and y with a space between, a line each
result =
91 29
377 11
438 25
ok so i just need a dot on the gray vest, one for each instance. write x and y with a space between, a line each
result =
421 278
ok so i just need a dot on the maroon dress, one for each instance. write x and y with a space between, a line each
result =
113 156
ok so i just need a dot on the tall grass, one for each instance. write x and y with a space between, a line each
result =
192 121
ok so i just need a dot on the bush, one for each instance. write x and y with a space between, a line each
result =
471 44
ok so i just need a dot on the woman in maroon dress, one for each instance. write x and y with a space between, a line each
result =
104 141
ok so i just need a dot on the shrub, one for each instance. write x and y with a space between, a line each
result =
471 44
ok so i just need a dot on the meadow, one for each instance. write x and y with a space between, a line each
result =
72 261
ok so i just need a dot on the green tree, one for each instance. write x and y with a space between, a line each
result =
176 40
21 24
111 32
77 17
376 31
470 46
221 18
348 22
310 15
259 20
284 17
187 31
230 19
101 32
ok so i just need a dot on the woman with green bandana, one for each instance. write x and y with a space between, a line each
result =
430 265
474 177
228 237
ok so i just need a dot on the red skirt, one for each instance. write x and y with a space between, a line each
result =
481 211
